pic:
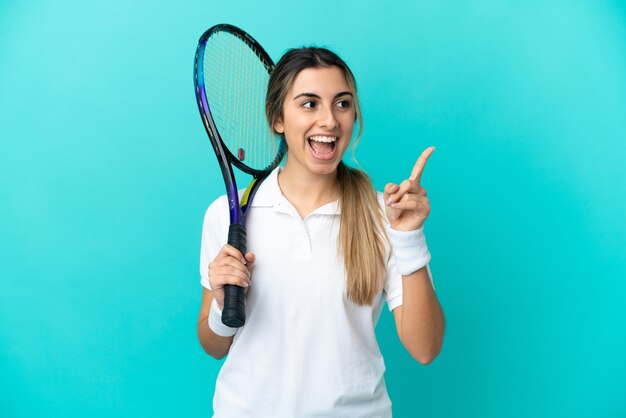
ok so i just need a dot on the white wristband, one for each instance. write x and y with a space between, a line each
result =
215 322
410 249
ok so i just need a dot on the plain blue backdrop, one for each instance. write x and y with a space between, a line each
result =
106 172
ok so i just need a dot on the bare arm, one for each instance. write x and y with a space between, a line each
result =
419 320
213 344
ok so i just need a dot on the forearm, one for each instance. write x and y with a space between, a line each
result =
213 344
422 321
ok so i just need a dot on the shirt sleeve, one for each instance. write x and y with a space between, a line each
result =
392 288
214 236
393 284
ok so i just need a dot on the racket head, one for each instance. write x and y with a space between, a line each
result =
231 73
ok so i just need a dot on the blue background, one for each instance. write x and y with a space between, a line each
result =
106 172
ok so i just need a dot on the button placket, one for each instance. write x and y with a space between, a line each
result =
303 242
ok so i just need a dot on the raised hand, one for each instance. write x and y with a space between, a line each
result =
406 204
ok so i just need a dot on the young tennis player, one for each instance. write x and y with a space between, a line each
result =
326 251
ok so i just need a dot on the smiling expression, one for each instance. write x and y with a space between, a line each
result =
318 120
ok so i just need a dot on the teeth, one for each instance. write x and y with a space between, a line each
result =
324 138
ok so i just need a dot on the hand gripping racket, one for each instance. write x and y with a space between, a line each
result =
231 72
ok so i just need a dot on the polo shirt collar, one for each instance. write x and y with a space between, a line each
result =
270 195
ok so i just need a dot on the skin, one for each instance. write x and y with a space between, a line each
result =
419 320
320 103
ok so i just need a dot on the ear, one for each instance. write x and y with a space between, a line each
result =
278 126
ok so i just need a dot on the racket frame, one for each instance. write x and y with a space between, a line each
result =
233 314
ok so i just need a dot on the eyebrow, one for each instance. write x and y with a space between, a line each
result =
343 93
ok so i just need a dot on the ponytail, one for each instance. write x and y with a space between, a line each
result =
361 235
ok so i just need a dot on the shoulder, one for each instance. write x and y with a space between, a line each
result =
217 209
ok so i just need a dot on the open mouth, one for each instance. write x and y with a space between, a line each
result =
323 147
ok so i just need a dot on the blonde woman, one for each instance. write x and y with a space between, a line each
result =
326 251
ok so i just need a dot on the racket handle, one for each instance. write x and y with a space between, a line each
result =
234 312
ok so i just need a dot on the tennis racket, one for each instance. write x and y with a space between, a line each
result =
231 72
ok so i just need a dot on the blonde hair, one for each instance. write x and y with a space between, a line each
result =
362 238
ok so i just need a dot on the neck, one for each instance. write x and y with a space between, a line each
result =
308 191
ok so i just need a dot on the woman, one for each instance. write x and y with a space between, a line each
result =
328 256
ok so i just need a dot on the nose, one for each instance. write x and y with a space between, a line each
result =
327 118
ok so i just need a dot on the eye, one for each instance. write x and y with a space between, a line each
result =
344 104
309 104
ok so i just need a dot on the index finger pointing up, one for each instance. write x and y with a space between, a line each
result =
418 168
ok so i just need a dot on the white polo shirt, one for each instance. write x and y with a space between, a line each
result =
306 350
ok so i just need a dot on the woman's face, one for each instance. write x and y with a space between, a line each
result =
318 120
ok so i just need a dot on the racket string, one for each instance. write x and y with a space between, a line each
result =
236 80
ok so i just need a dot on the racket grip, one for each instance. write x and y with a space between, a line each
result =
234 312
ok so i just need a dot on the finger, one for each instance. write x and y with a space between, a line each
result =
230 265
227 279
229 250
221 270
414 205
406 205
418 168
391 188
251 258
404 187
220 279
